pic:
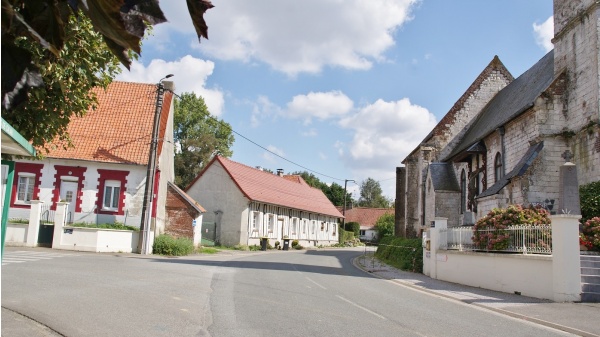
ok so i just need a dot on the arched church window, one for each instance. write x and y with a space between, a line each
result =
463 191
498 171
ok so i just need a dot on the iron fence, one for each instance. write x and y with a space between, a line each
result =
524 239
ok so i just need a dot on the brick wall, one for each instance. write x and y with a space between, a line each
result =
179 216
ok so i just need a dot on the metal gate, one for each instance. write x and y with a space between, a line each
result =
46 232
209 234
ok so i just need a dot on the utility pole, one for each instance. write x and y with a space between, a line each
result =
146 222
344 208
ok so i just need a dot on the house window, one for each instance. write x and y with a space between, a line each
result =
271 223
498 172
294 226
304 227
334 226
322 226
463 191
254 221
313 227
111 188
362 232
112 193
25 187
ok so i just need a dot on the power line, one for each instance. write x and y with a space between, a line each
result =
262 147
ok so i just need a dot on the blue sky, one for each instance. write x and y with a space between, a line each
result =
344 88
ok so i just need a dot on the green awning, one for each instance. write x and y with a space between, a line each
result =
14 143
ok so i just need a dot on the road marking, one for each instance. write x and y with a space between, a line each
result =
360 307
308 278
27 256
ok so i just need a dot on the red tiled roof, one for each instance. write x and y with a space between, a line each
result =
120 128
288 191
366 217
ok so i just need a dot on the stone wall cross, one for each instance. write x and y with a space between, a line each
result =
567 155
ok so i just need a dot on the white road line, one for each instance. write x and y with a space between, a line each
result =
308 278
360 307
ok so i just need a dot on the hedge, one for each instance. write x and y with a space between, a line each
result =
168 245
402 253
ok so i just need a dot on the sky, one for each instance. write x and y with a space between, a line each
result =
344 89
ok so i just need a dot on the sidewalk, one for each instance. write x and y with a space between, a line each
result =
578 318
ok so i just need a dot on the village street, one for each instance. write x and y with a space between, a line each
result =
274 293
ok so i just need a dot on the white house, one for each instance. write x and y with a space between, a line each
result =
247 203
102 176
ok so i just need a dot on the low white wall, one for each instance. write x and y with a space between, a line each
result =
529 275
98 240
16 234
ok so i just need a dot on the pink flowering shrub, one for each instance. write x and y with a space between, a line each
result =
491 232
590 234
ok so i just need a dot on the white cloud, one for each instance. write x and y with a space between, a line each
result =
350 34
320 105
262 108
270 157
190 76
544 33
312 132
384 134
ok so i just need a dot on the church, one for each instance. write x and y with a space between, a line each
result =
505 138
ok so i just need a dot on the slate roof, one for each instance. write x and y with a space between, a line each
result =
120 129
516 98
443 177
261 186
519 169
365 216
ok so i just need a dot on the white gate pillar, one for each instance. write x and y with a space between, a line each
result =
59 221
435 238
33 230
566 263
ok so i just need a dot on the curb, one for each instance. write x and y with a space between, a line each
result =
497 310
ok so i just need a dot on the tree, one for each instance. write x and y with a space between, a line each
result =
385 225
371 194
198 137
49 24
83 63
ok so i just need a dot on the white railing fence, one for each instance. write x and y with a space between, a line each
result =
524 239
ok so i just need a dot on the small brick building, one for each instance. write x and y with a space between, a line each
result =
184 214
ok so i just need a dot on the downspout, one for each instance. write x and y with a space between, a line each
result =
249 223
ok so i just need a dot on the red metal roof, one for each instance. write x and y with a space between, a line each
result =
120 128
288 191
366 217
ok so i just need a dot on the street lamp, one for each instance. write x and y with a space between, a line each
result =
149 189
344 208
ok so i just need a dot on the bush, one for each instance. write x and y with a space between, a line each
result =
589 200
353 227
590 234
295 243
402 253
117 225
346 236
168 245
490 232
385 226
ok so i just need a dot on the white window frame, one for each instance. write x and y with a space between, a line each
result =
271 223
29 187
255 221
112 185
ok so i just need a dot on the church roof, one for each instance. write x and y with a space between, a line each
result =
261 186
443 177
510 102
518 171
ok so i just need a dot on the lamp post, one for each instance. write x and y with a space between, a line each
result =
149 188
344 208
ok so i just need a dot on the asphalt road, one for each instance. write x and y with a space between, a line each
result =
277 293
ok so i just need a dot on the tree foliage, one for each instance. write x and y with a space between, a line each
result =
199 137
83 63
333 192
385 225
371 195
71 53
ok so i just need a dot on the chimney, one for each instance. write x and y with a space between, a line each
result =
280 172
259 168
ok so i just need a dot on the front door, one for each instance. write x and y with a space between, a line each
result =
68 193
